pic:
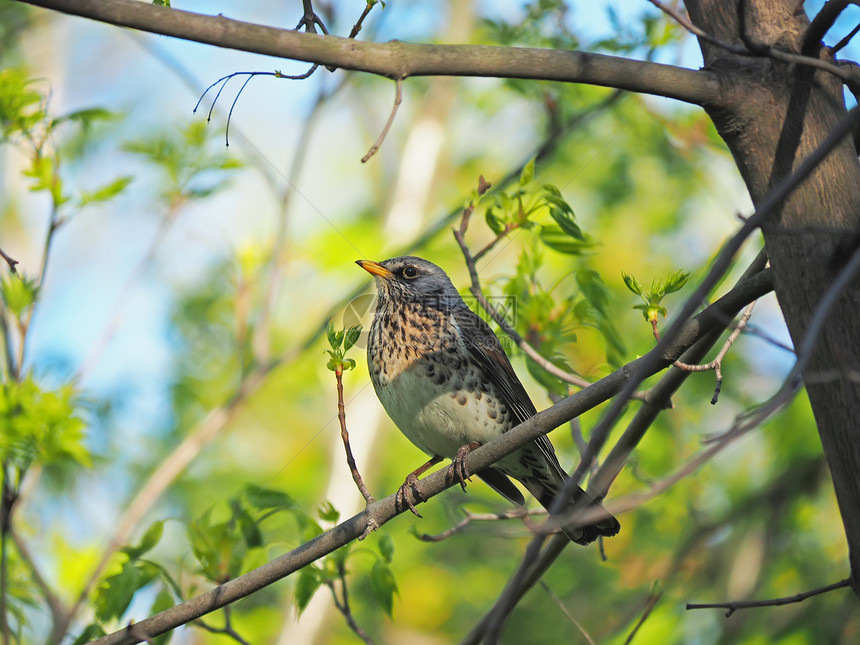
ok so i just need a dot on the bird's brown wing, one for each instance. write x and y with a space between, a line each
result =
485 348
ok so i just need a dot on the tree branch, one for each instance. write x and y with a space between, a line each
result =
401 60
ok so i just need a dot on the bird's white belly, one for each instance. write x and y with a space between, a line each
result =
436 419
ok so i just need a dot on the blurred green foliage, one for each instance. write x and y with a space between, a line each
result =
624 186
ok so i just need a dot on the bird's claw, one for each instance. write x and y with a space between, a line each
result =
458 470
402 497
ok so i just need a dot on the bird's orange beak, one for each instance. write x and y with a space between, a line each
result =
375 268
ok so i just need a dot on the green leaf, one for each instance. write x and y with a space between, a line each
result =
161 3
149 540
266 498
566 222
114 594
676 280
386 547
21 107
496 225
632 283
594 290
308 582
85 117
18 293
106 192
383 585
549 382
352 335
331 334
250 529
328 513
556 239
528 172
40 426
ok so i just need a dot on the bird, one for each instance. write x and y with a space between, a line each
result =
443 377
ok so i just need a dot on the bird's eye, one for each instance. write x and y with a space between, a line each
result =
410 272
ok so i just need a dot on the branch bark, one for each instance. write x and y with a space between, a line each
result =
399 60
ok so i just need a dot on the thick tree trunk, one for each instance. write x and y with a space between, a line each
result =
772 115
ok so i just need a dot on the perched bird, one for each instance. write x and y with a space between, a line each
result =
444 379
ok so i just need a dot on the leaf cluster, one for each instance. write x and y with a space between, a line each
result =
652 299
189 167
40 426
340 342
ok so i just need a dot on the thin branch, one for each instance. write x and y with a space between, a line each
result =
398 97
344 434
226 630
357 26
520 513
564 610
844 42
401 60
310 19
55 605
10 261
734 605
822 23
430 486
652 601
342 604
717 363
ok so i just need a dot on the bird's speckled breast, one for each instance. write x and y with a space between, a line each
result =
419 369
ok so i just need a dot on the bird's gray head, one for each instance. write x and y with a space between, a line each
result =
411 279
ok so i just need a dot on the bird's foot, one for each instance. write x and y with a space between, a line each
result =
402 498
458 471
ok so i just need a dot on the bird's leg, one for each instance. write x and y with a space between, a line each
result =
402 497
458 470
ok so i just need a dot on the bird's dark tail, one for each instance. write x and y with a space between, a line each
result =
606 526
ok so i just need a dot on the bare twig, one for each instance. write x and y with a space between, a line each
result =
55 604
847 39
342 604
652 601
398 97
564 610
310 20
10 261
717 363
822 23
357 26
226 630
344 434
734 605
519 513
